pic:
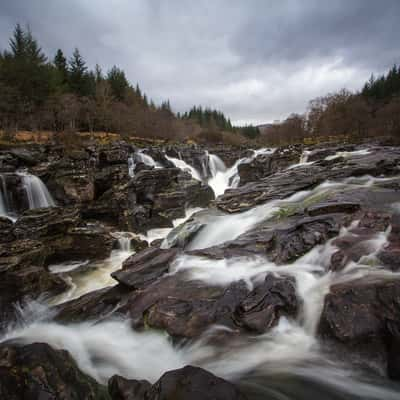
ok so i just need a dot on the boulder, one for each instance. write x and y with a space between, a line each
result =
37 371
265 304
141 269
281 242
23 276
187 383
128 389
267 164
6 230
362 317
185 308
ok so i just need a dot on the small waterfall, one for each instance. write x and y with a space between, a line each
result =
5 203
216 165
303 160
124 243
131 166
146 159
304 156
36 191
184 166
223 178
124 240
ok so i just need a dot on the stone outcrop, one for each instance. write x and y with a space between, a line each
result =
267 164
265 304
188 383
37 371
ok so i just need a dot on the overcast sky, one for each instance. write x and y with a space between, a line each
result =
256 60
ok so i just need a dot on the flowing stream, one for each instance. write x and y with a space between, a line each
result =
285 363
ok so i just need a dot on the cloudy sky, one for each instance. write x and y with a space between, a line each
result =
256 60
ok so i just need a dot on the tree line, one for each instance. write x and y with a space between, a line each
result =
372 111
63 94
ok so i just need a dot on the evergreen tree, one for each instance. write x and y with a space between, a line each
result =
118 82
80 81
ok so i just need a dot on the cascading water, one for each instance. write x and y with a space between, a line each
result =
3 197
184 166
146 159
131 166
223 178
286 357
220 177
36 191
285 363
37 194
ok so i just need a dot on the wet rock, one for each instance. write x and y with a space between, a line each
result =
141 269
333 207
23 276
6 230
280 242
193 383
27 156
114 154
185 308
181 236
72 187
22 253
13 193
161 195
93 306
44 223
90 241
360 316
109 177
356 243
158 155
279 185
183 316
264 305
318 154
195 156
128 389
36 371
267 164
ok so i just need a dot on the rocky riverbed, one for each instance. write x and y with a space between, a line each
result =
185 272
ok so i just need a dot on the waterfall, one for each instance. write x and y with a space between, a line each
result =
223 178
124 242
5 203
184 166
146 159
36 191
131 166
219 176
303 160
287 357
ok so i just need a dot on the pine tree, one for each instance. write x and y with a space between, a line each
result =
118 82
79 80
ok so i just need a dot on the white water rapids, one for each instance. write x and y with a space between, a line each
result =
280 359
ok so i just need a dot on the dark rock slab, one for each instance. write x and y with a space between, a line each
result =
264 305
36 371
363 318
187 383
141 269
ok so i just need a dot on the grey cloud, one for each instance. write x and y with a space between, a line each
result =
256 60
